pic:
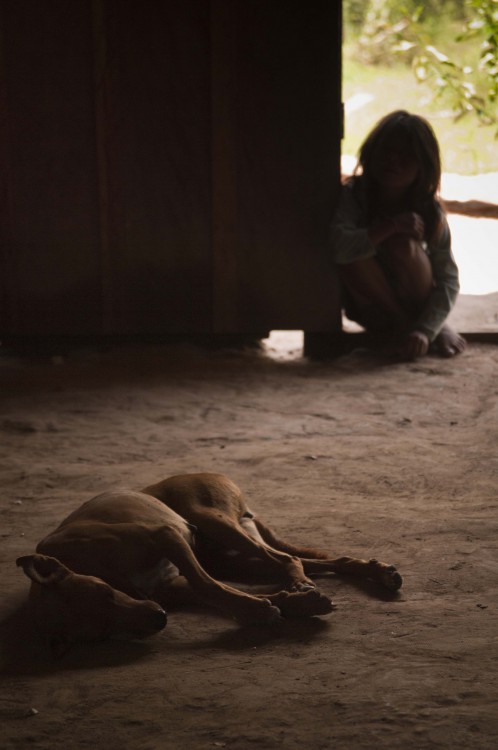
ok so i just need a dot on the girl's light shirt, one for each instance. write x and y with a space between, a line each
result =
350 242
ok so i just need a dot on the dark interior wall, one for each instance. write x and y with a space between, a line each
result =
167 167
288 126
154 138
49 203
108 199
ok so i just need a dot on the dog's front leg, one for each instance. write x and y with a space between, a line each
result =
243 607
302 603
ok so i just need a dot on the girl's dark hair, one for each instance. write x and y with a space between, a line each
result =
422 196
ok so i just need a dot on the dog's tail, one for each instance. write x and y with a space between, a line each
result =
274 541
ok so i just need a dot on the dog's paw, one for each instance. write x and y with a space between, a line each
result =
303 586
261 612
303 603
387 575
272 614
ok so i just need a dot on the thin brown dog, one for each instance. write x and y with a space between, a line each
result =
116 563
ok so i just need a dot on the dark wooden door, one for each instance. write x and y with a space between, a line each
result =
50 252
168 167
277 131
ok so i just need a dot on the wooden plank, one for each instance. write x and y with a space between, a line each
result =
100 67
8 283
157 141
476 209
171 166
224 165
276 163
53 238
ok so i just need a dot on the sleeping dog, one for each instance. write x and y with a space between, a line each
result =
115 564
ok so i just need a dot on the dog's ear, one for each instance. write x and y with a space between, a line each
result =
42 569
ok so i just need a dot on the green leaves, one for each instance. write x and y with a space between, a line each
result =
418 34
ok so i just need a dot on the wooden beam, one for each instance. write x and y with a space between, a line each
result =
223 164
474 208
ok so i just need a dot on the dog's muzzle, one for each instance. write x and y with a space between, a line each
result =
160 619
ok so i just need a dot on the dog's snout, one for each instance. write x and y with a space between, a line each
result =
160 619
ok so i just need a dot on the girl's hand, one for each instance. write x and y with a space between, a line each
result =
415 344
406 223
409 223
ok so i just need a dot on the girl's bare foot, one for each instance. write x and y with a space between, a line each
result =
449 342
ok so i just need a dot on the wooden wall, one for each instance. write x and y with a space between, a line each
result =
167 166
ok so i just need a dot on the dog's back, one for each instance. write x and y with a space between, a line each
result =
122 506
189 494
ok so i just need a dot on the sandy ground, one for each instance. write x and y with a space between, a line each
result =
359 456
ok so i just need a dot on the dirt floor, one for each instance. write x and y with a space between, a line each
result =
360 456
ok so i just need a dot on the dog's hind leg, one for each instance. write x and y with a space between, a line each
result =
382 573
221 529
243 607
269 536
316 562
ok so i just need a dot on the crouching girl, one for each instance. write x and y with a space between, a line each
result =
391 240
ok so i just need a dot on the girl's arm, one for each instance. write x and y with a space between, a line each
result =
352 239
348 232
446 286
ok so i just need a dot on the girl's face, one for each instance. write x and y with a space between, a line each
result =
394 164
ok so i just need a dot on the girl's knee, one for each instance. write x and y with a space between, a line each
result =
406 254
409 269
402 248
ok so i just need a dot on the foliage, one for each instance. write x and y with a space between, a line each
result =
467 148
418 33
468 88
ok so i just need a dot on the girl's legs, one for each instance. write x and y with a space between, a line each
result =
449 342
389 291
373 301
410 269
